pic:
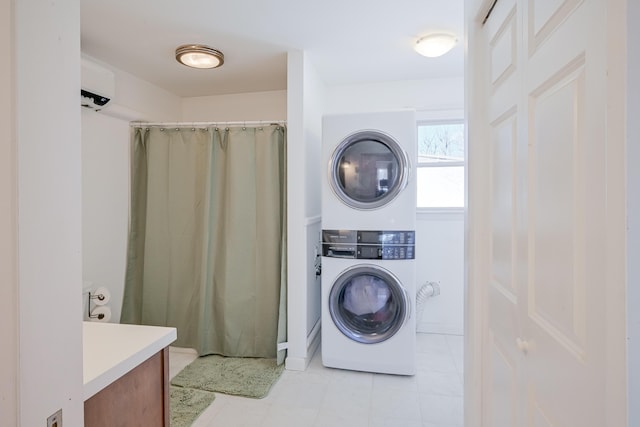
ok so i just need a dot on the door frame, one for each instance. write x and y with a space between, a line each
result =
633 215
476 210
621 241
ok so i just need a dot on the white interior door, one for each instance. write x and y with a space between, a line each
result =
544 352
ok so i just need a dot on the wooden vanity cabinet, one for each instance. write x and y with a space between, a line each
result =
138 398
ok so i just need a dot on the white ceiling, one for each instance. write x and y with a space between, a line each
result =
348 41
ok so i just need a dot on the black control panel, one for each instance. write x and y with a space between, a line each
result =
368 244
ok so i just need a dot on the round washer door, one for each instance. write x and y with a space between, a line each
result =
368 169
368 304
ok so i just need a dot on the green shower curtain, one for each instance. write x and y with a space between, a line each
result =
207 238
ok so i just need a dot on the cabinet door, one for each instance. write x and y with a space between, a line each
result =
140 398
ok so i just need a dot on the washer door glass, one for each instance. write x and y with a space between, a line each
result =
368 169
368 304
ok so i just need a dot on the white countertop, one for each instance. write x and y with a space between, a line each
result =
111 350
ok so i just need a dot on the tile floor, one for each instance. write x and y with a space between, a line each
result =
323 397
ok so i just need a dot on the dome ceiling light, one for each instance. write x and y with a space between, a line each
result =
434 45
199 56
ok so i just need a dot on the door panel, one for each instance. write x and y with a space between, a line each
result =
502 191
503 50
504 390
556 202
502 375
538 417
545 16
544 361
564 362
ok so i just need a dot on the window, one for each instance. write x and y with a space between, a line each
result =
441 165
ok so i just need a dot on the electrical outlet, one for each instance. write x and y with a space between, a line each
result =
55 420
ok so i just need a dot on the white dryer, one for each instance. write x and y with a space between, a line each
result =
368 301
370 175
368 222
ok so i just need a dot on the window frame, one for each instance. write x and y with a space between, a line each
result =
454 119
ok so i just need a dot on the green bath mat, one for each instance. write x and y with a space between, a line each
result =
239 376
187 404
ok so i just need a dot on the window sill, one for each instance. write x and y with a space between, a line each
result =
440 211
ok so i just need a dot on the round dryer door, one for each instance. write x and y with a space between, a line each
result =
368 304
368 169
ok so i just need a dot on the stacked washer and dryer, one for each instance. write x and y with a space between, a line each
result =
368 242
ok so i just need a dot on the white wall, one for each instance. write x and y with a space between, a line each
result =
422 95
8 220
105 204
253 106
305 102
105 178
49 218
440 255
137 99
313 105
314 289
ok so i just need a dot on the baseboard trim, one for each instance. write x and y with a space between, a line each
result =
301 363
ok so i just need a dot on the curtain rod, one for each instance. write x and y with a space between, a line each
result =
207 124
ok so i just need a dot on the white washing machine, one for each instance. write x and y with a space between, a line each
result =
370 174
368 301
368 222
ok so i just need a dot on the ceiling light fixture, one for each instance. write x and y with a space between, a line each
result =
199 56
434 45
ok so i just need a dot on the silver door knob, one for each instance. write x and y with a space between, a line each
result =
523 345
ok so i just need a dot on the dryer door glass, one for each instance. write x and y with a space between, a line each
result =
368 170
368 304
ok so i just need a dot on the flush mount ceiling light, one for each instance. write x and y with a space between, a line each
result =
199 56
435 45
